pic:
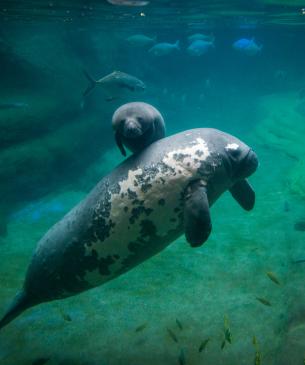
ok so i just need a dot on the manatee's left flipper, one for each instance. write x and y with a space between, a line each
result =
197 220
119 143
243 193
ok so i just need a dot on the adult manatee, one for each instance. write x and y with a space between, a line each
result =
136 211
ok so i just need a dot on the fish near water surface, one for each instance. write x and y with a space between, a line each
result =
247 46
140 40
199 47
163 49
137 210
200 36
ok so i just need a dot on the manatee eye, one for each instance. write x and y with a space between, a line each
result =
140 119
233 150
235 153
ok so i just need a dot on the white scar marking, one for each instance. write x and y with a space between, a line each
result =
182 164
232 146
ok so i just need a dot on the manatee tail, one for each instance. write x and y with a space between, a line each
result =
92 83
20 303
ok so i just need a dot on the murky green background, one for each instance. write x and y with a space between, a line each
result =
56 147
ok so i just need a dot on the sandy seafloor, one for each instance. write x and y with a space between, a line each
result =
196 286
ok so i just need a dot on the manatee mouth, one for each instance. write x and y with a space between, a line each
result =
249 164
132 131
135 131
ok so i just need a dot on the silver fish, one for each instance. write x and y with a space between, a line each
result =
115 81
200 36
164 48
140 40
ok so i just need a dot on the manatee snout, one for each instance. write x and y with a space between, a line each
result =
250 163
132 129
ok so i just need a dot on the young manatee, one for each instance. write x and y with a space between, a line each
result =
137 125
137 210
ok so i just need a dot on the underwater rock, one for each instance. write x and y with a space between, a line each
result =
36 142
30 170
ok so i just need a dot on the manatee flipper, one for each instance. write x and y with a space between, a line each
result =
197 220
243 193
119 143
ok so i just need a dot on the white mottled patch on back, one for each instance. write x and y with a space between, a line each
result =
169 181
190 156
232 146
129 183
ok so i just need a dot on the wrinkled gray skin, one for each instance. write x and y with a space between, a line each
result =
137 125
136 211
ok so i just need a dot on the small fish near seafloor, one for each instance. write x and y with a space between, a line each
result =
117 79
181 358
227 333
179 324
141 327
272 277
264 301
172 335
258 355
203 345
257 358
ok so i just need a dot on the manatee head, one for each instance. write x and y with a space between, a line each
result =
137 125
240 161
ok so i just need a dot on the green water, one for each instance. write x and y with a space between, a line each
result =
55 146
